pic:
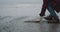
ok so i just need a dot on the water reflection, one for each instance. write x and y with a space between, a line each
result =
53 27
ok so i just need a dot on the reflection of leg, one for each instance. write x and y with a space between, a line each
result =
53 15
53 27
52 12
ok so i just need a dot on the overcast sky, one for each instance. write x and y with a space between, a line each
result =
20 1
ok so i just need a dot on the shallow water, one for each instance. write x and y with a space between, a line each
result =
12 19
17 24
